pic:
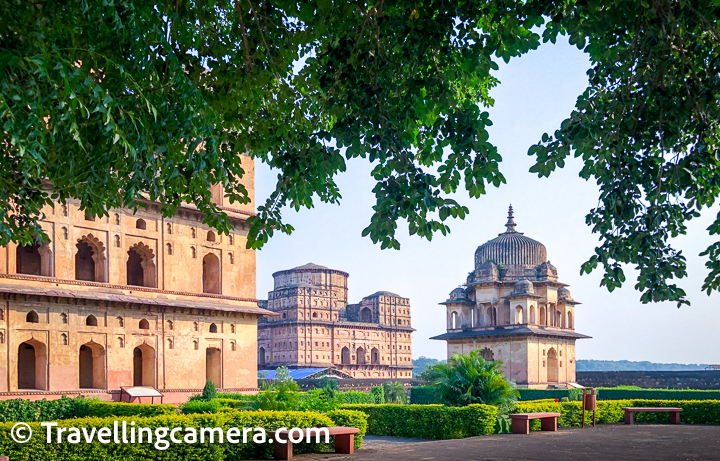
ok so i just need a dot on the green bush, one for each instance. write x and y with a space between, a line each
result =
378 393
350 418
422 395
236 396
100 409
235 404
428 421
610 411
209 391
659 394
44 410
36 448
200 406
350 397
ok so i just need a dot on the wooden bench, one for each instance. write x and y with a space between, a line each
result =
674 413
344 440
521 422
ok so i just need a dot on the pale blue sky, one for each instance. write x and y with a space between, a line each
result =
536 93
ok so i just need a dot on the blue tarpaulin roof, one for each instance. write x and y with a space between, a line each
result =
300 373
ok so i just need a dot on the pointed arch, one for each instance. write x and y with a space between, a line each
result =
213 328
144 324
141 266
91 321
345 356
32 317
32 365
366 315
552 366
360 355
90 259
92 366
34 259
519 315
144 363
374 356
261 356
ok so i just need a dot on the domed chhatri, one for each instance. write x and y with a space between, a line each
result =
524 286
514 309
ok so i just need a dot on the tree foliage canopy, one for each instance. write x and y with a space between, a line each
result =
114 102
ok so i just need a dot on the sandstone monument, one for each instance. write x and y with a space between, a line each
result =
316 327
130 300
513 308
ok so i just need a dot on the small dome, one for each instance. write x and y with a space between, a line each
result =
524 286
564 293
458 294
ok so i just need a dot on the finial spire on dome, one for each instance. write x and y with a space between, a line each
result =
510 222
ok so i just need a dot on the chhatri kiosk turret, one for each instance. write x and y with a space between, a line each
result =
513 308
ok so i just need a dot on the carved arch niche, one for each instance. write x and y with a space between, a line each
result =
90 259
141 267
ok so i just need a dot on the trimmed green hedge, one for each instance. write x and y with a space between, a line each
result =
352 397
350 418
422 395
22 410
428 421
100 409
623 394
658 394
37 449
610 411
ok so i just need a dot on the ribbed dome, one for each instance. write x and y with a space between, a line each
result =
511 248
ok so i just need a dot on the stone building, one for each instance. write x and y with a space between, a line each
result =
513 308
130 299
317 328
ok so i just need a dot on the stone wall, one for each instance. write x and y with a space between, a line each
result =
651 379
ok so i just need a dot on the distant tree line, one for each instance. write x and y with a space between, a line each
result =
592 365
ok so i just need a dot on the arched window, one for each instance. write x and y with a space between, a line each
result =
64 210
32 365
117 219
519 315
196 344
32 317
213 328
193 232
196 326
193 252
141 266
90 259
91 321
570 320
211 274
170 343
120 322
140 224
374 356
169 228
117 241
144 324
233 346
314 315
231 258
63 318
34 259
552 366
366 315
169 248
170 325
232 328
231 240
360 354
345 356
65 233
532 314
454 320
543 317
120 342
211 236
64 339
92 366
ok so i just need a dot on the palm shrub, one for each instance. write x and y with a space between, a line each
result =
470 379
378 393
395 392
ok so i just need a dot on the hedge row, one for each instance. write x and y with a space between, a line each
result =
67 408
36 448
422 395
428 421
610 411
621 394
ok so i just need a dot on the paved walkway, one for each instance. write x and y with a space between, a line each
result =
614 442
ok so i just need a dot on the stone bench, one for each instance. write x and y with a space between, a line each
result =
344 440
521 422
630 411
